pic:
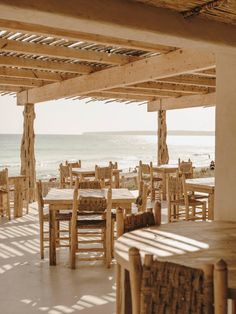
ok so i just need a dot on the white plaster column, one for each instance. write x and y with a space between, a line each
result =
225 191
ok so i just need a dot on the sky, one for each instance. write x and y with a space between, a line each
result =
77 116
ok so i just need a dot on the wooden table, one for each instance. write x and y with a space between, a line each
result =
20 193
90 172
164 170
204 185
62 199
188 243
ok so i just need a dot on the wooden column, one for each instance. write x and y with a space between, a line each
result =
225 172
27 150
162 153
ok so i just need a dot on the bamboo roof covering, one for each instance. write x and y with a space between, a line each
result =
30 60
219 10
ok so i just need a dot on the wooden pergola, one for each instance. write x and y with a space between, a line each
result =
163 53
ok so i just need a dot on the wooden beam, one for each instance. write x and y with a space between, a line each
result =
34 74
13 89
21 82
157 67
182 102
190 79
182 88
71 35
63 52
124 19
45 65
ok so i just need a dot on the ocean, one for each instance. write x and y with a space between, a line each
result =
91 148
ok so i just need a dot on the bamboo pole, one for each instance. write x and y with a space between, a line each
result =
27 150
162 153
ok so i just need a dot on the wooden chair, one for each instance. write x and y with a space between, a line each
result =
104 175
182 206
165 287
71 165
62 240
147 174
64 176
186 168
91 214
116 174
4 194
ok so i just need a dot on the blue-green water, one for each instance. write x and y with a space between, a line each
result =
92 149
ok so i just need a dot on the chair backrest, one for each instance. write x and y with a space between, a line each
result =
186 168
113 165
104 175
144 168
75 164
95 184
64 175
4 178
174 187
126 223
165 287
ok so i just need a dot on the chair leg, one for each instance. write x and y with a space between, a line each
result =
41 240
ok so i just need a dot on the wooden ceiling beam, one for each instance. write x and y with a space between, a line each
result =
27 63
181 88
6 81
14 89
34 74
129 20
14 26
182 102
157 67
189 79
64 52
148 92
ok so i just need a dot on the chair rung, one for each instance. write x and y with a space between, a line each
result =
88 234
90 241
89 249
88 259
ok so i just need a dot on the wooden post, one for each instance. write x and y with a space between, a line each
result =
220 287
27 150
162 152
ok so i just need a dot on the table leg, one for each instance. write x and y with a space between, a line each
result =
52 236
118 289
211 206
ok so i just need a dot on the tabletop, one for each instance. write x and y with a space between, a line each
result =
89 170
66 195
188 243
210 182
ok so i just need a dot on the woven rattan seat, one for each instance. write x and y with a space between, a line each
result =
94 223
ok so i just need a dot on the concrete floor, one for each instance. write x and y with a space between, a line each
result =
30 285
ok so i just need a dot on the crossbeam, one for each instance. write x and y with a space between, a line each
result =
157 67
182 102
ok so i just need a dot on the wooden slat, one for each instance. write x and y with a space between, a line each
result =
190 79
146 92
157 67
21 82
183 102
62 52
124 19
14 89
45 65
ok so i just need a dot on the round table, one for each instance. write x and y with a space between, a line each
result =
188 243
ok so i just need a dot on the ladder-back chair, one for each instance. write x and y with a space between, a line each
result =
104 175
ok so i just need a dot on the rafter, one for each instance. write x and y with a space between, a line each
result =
182 88
62 52
34 74
13 89
182 102
190 79
111 95
45 65
21 82
148 92
124 19
157 67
